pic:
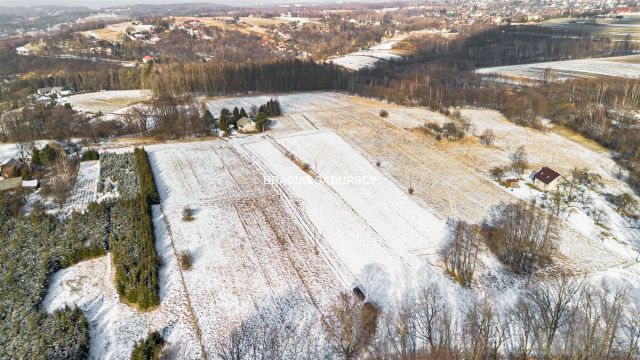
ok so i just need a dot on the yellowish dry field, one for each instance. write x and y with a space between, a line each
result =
247 25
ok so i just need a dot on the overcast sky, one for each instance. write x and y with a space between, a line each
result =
109 3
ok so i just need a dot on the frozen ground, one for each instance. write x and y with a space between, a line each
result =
286 219
250 252
373 232
582 68
106 101
368 58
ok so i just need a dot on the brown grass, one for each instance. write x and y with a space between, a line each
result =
579 138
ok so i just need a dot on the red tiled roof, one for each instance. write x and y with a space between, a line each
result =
546 175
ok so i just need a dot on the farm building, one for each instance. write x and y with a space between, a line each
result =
45 91
246 125
547 178
512 183
10 184
11 168
31 184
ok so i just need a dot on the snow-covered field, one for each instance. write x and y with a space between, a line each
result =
106 101
319 204
368 58
624 67
374 232
250 253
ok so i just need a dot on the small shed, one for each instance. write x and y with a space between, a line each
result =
246 125
31 184
512 183
547 178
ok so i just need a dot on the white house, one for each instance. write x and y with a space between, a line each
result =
246 125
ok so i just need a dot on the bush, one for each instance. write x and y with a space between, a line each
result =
187 214
90 155
134 253
487 137
147 185
185 259
384 113
149 348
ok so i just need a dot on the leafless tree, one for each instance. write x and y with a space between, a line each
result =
485 332
554 304
350 326
522 235
461 253
62 179
519 160
487 137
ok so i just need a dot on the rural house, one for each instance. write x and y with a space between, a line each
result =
246 125
547 178
11 168
45 91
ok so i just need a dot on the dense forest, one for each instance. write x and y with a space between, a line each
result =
32 248
219 78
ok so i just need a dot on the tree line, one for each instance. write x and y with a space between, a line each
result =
562 318
132 238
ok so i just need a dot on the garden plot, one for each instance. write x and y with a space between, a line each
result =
115 327
85 189
582 68
248 251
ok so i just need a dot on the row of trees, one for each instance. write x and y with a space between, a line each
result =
132 239
561 318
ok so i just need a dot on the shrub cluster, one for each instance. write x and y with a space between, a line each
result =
149 348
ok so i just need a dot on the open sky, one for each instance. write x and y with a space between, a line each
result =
110 3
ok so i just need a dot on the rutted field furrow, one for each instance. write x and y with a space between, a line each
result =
413 161
248 251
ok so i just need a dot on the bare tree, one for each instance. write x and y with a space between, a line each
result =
350 326
61 181
553 303
461 253
519 161
487 137
485 333
522 235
